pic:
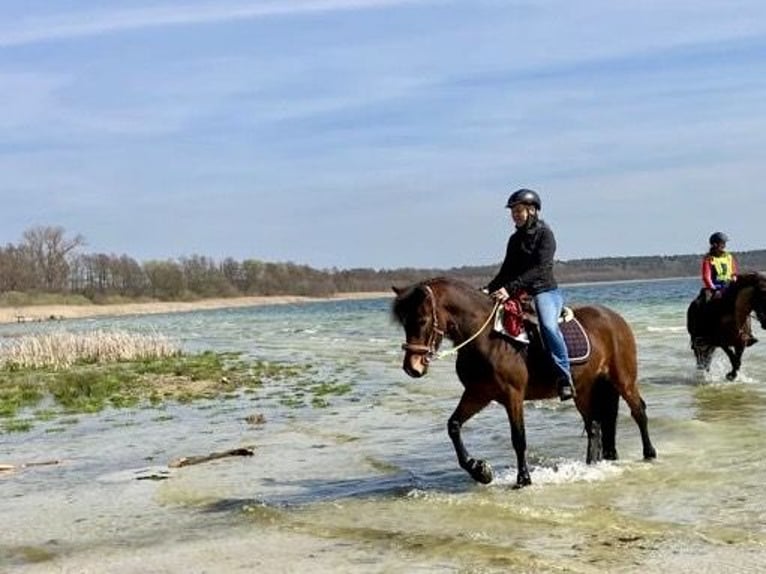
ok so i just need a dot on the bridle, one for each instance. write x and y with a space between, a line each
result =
434 338
429 350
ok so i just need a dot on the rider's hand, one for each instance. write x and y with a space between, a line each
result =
717 294
500 295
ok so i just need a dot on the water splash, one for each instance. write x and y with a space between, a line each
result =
667 329
565 472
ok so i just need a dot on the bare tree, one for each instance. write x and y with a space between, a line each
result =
166 279
132 279
48 250
15 270
234 273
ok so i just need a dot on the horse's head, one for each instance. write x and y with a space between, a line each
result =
759 300
416 309
750 289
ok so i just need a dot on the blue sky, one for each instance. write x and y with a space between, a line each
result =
382 133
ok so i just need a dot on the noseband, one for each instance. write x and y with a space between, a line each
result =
436 336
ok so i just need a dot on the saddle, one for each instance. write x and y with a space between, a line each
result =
517 320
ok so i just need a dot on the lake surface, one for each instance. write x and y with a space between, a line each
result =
353 470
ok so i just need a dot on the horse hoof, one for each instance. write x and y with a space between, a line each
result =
521 482
731 376
481 471
650 454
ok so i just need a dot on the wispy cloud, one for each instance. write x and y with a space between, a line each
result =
93 23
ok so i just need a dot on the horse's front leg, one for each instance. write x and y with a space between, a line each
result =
468 406
514 406
735 358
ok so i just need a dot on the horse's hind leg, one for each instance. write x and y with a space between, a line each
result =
641 419
604 407
638 412
468 406
628 389
595 451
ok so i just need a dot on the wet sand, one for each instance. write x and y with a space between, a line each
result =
248 550
34 313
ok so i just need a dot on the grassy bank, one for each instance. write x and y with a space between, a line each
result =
63 374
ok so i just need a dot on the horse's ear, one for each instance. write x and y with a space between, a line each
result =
397 290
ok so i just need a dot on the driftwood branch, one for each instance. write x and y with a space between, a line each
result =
11 468
189 460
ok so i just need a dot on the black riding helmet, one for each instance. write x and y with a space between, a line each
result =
718 237
526 196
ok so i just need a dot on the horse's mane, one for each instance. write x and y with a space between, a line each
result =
751 278
464 288
409 298
745 280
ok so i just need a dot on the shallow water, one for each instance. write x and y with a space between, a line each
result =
368 482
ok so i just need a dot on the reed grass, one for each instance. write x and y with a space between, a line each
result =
60 350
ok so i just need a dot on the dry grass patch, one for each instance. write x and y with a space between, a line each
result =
61 349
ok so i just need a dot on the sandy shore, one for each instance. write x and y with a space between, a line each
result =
49 312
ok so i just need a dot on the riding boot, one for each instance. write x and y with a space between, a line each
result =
565 388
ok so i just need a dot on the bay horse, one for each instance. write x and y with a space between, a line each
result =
725 321
493 368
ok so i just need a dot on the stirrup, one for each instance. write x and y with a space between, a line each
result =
566 391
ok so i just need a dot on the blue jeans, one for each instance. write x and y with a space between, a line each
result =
549 305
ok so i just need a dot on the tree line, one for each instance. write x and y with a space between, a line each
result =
49 260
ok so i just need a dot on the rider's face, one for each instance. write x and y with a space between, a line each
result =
520 214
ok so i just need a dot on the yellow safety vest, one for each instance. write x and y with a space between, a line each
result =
723 269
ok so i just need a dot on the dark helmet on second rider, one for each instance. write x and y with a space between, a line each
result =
718 237
526 196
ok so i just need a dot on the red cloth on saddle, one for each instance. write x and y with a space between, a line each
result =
513 317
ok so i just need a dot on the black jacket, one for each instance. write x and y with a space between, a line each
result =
528 263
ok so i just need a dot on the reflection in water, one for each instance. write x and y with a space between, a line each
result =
737 404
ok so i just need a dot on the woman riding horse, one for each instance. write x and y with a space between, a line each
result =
491 367
528 267
725 321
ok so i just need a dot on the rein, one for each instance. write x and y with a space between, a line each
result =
437 334
456 348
